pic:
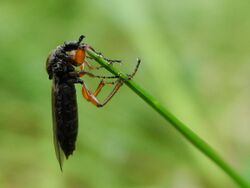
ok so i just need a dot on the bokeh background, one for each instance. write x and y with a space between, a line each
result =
195 60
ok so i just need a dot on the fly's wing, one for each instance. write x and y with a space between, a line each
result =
58 149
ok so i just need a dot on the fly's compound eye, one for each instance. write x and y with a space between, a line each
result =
80 56
77 55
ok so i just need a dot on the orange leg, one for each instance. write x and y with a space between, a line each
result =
92 97
91 67
83 72
81 68
88 95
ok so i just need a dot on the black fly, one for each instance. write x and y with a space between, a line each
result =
61 67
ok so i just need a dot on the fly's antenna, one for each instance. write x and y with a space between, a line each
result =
80 39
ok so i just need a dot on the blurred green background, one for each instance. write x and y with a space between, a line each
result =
195 60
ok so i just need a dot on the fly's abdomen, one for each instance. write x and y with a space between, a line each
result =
66 120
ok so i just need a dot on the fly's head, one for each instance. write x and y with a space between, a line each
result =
64 57
75 51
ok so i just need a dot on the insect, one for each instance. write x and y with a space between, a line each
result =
61 66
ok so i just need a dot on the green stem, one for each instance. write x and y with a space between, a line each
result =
174 121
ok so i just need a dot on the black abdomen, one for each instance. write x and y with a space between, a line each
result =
66 120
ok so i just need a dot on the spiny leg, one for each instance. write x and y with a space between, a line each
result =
91 67
111 61
87 94
83 72
101 85
130 76
92 97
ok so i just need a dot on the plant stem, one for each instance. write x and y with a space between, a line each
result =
174 121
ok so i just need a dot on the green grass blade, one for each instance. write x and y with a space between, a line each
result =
175 122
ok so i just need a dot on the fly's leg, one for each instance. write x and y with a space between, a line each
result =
91 67
91 97
111 61
102 84
81 69
83 72
130 76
